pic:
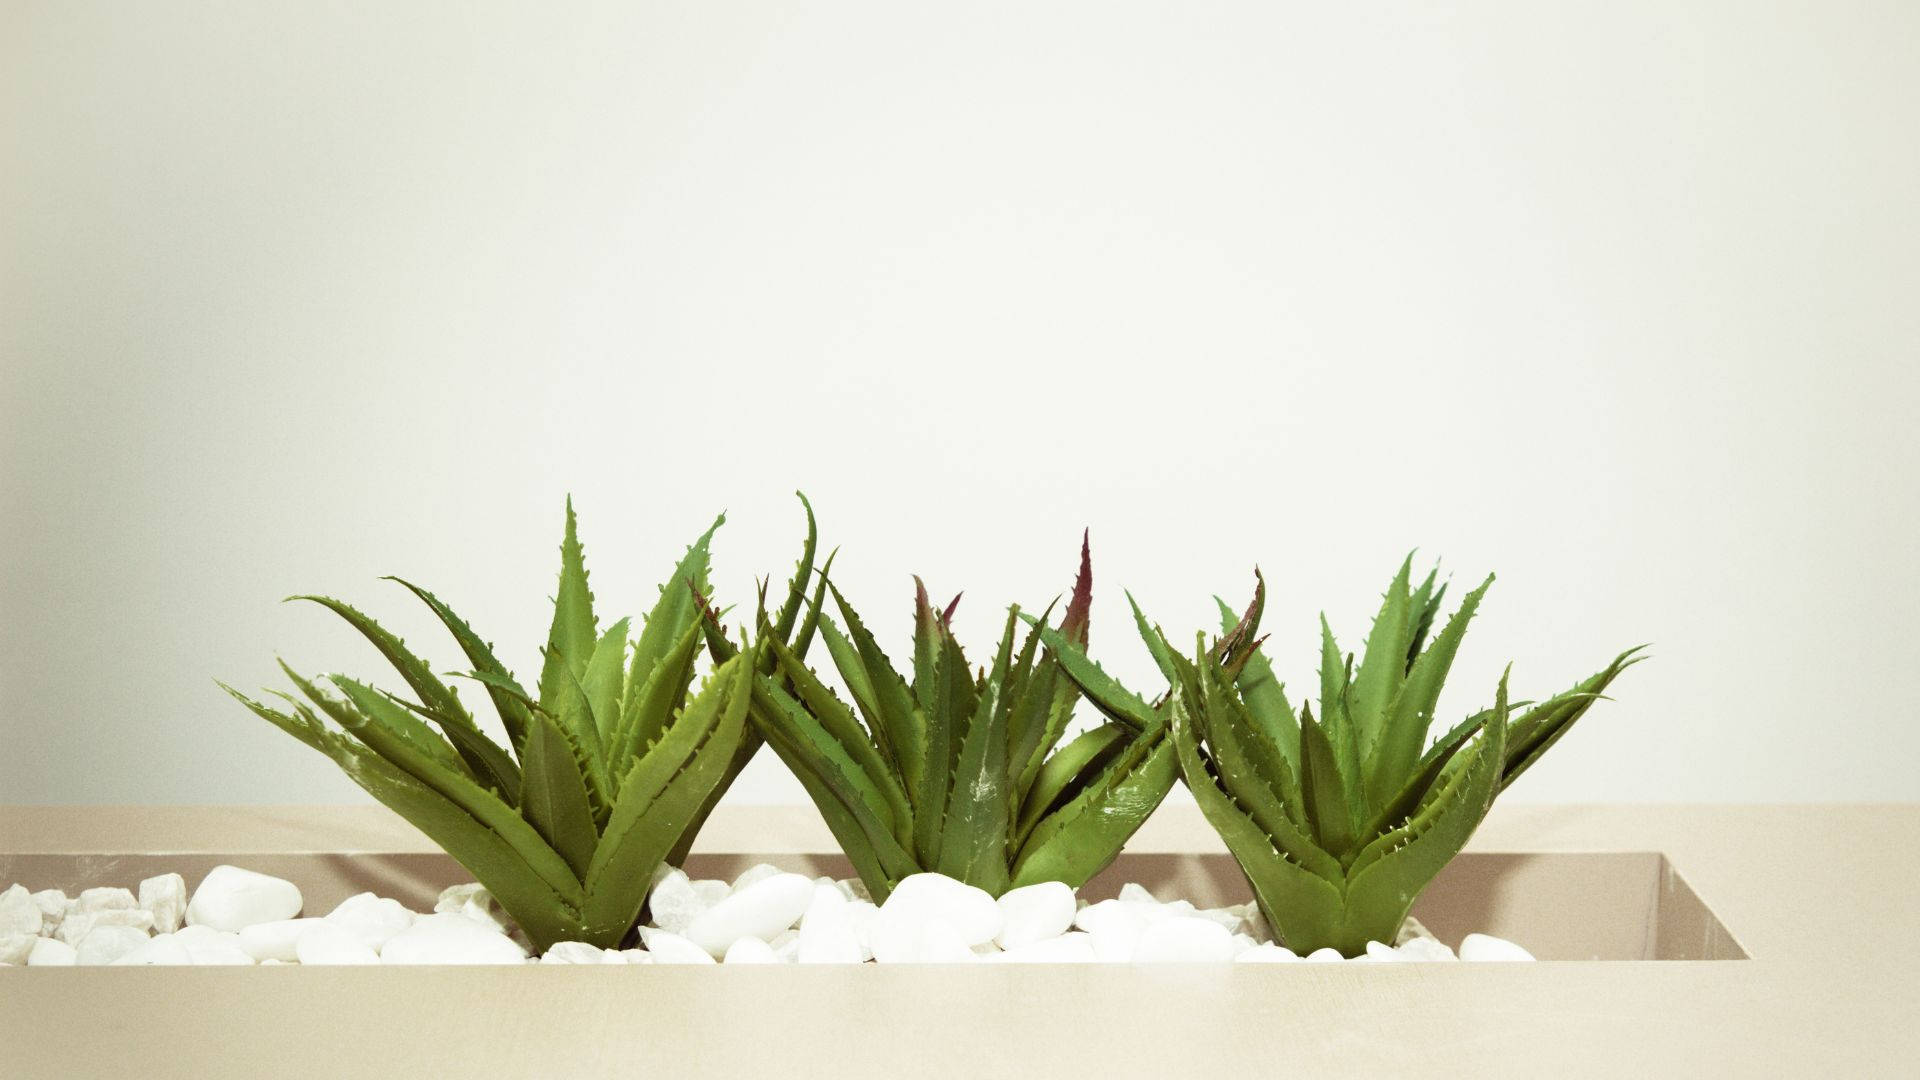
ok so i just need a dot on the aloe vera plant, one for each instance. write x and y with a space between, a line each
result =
611 763
963 772
1339 819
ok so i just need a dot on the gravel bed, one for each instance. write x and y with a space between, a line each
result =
765 916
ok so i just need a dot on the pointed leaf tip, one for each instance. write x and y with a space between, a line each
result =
1080 605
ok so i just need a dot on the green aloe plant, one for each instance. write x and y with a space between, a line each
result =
1339 819
611 765
963 772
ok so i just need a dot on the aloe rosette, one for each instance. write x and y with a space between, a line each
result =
1340 819
609 768
959 771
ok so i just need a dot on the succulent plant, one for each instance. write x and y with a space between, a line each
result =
1339 819
962 771
611 764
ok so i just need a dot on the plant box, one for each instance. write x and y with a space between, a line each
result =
1686 948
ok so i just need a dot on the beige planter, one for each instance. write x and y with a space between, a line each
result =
1710 940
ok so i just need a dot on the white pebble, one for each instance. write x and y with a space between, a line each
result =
103 898
230 898
473 901
667 947
861 915
18 913
1135 893
371 919
579 952
1115 925
15 948
325 943
451 938
636 956
1184 939
51 952
79 922
1425 949
1326 954
673 903
105 944
750 950
1070 948
1486 947
1381 951
827 933
277 940
762 909
756 872
922 898
213 948
919 941
53 907
1034 913
1268 953
164 950
165 898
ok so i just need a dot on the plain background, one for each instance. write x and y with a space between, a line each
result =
1617 299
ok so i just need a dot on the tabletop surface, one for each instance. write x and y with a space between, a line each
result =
1822 898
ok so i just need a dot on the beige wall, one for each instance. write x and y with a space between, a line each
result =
1615 298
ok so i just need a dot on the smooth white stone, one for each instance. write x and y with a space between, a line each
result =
1184 939
668 947
325 943
18 913
1115 926
750 950
1268 953
53 907
277 940
673 904
1243 941
1136 893
451 938
857 889
1324 955
1381 951
761 910
1411 929
1075 947
15 948
273 963
756 872
920 898
921 941
51 952
163 950
839 886
1425 949
1483 948
1229 920
230 898
473 901
1034 913
861 915
213 948
371 919
105 944
579 952
826 930
165 898
78 923
711 890
636 956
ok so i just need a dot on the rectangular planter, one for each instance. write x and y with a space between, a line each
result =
1708 941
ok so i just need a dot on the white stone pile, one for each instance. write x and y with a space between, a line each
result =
765 916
